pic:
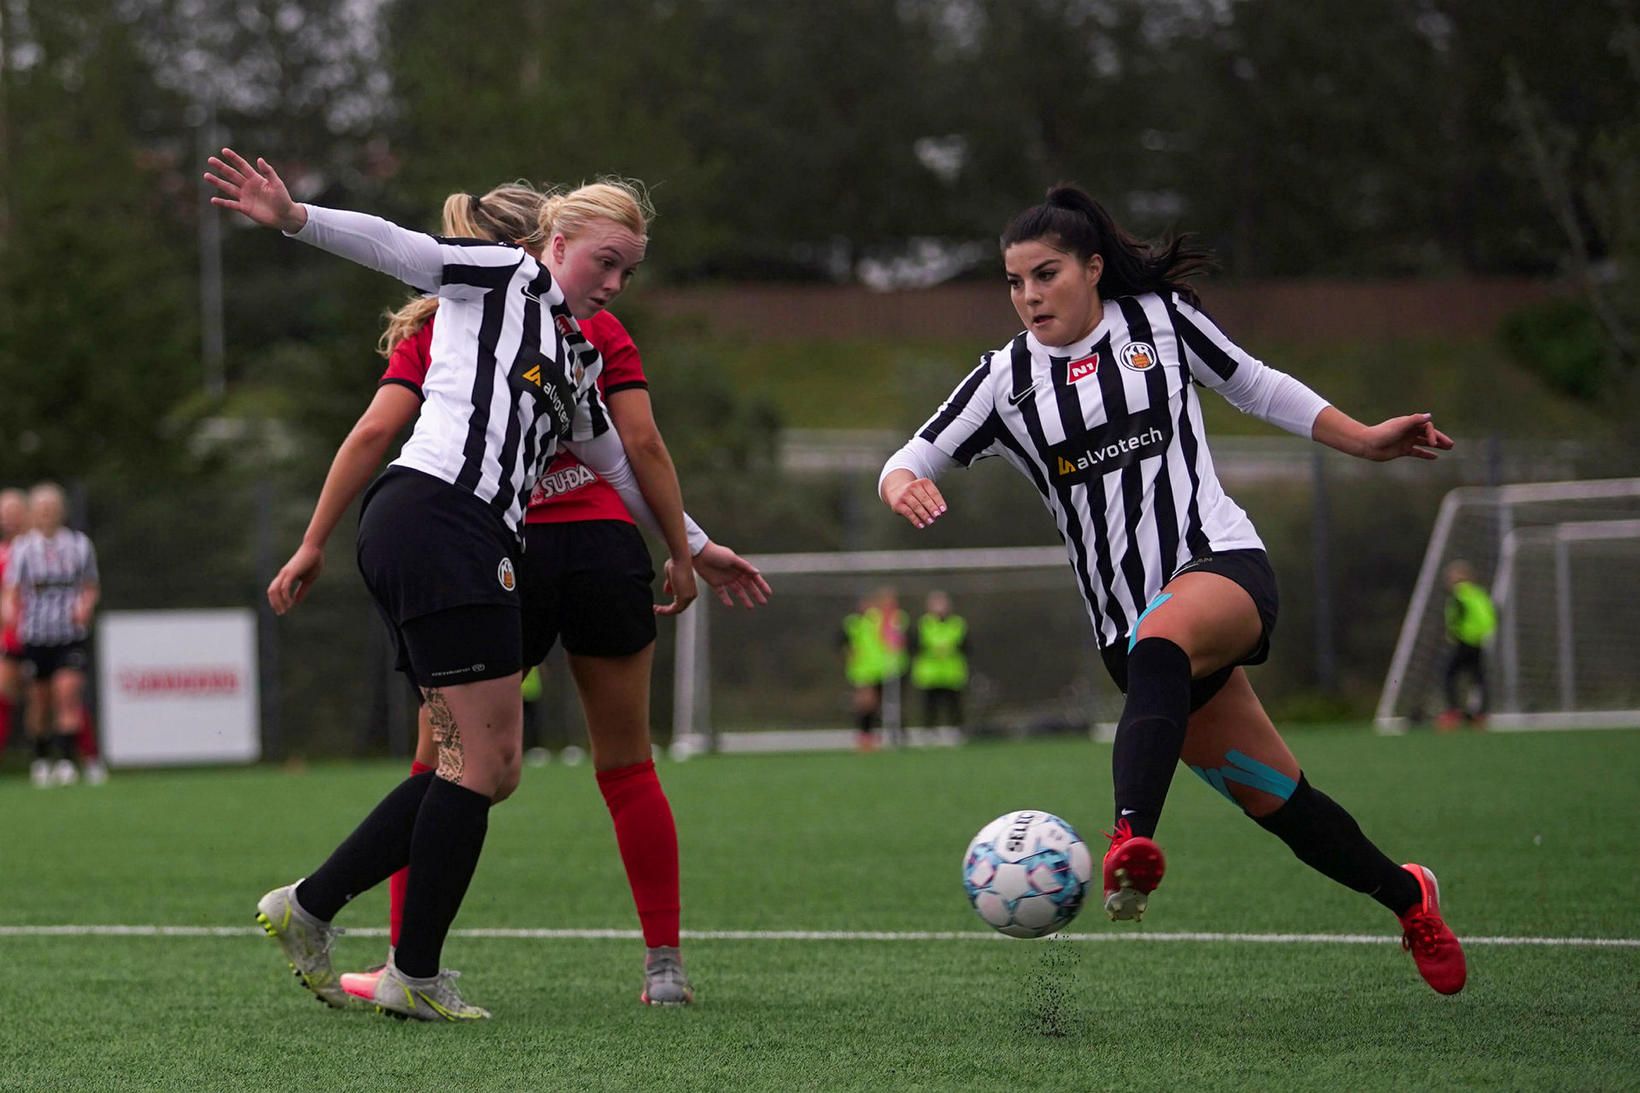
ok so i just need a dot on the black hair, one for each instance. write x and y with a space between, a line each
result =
1132 266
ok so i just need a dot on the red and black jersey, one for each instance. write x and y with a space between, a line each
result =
567 490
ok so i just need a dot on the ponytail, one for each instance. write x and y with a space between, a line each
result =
509 214
1081 226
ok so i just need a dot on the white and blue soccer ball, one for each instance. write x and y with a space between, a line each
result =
1027 873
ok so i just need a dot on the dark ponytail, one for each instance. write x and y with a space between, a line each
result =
1081 226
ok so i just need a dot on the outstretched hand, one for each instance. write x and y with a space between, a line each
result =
1413 435
256 192
731 576
916 499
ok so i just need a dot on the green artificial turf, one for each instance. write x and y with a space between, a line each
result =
1532 835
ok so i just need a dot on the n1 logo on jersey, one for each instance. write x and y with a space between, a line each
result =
540 375
1078 370
1112 446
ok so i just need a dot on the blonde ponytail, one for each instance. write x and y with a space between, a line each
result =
510 213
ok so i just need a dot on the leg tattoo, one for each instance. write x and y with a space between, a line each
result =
452 758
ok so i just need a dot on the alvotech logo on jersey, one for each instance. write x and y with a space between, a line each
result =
1111 447
179 687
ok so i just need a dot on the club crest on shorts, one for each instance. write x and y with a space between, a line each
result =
1138 356
504 574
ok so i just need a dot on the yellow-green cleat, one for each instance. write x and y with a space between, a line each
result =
305 942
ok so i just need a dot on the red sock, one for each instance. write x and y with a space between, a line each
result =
648 839
398 881
88 737
5 722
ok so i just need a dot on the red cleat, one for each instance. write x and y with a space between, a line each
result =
1133 868
1434 947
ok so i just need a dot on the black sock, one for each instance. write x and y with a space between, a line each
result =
1150 734
864 722
378 848
1327 839
42 747
68 746
449 838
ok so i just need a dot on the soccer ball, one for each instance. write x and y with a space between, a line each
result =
1027 873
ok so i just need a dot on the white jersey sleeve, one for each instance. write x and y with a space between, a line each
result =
605 456
1246 382
454 270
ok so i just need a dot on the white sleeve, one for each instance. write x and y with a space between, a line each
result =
920 457
605 456
1246 382
455 270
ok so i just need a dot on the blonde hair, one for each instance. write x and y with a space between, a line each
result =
623 201
519 213
510 213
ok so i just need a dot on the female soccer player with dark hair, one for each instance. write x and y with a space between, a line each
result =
585 573
512 380
1093 403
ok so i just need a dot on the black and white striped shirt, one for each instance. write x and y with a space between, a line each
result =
511 377
49 573
1109 431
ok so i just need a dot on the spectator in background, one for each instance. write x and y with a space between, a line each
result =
1471 620
939 662
874 643
50 593
13 522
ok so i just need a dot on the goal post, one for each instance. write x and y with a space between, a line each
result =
1560 558
773 678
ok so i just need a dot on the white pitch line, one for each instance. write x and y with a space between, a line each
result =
831 935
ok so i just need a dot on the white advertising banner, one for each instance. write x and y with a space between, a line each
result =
178 687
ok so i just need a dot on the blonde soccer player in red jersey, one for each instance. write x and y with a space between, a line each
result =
584 576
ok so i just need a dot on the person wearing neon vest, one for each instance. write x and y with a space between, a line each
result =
939 667
1471 620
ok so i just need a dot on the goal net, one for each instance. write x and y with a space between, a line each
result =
774 680
1561 560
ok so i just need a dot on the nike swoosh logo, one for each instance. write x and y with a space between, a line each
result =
1015 400
1130 812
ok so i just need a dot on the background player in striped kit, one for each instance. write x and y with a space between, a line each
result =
50 592
585 571
13 522
1093 403
512 379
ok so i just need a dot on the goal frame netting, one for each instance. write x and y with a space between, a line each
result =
1511 537
693 728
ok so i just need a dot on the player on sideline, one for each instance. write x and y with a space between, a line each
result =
13 522
512 379
585 572
50 592
1092 402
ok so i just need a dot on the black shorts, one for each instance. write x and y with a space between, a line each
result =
45 661
1251 570
588 582
442 568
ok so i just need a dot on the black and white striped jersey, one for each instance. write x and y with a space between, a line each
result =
49 573
1109 431
511 376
